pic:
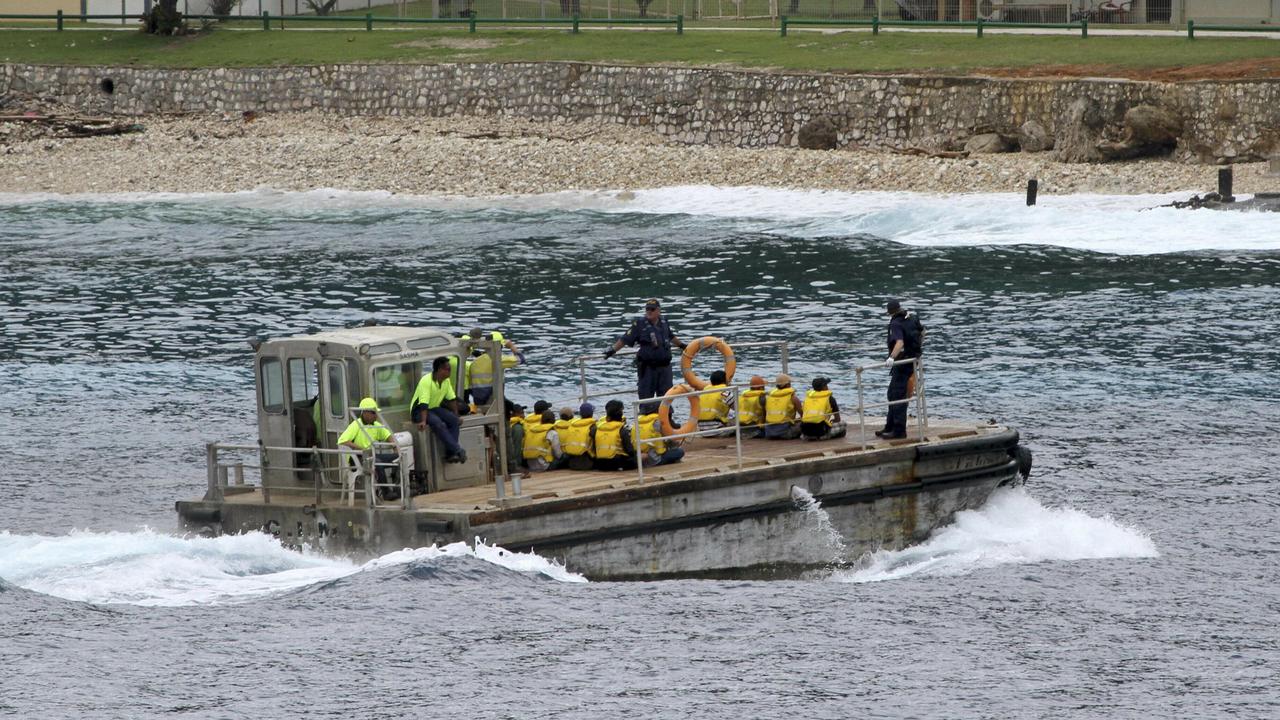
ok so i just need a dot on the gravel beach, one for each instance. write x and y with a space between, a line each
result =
470 156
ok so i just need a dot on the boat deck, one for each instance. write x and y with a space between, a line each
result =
704 457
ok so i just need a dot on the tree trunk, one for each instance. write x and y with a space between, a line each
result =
165 18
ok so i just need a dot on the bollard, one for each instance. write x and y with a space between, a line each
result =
979 27
575 23
471 24
875 25
1191 29
679 24
266 20
59 21
1033 188
1084 28
1224 184
368 22
783 26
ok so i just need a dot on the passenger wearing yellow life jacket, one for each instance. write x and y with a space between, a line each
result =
575 438
751 408
782 411
542 444
478 380
655 450
821 418
515 436
612 440
715 409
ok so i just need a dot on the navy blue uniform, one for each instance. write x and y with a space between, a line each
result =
653 359
905 328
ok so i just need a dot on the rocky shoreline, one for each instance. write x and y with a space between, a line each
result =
497 156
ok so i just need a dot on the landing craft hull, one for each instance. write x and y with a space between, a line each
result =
717 522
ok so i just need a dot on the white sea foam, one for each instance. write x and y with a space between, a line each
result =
1116 224
148 568
1012 528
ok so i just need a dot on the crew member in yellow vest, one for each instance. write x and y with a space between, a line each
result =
575 438
542 444
362 433
714 412
654 449
479 373
751 408
612 440
821 418
782 410
435 403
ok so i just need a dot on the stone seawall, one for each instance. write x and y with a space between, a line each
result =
1222 120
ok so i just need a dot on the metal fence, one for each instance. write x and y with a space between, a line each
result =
1253 14
1158 13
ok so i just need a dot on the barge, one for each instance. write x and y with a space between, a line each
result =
734 507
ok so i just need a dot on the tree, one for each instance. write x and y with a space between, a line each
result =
222 8
321 7
644 7
164 19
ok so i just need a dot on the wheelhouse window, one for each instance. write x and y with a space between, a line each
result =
393 385
303 381
272 385
337 397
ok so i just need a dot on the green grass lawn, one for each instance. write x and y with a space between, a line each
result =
852 52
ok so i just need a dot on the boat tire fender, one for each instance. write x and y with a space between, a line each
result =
1022 454
664 412
686 360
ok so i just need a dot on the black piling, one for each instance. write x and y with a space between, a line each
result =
1224 184
1033 187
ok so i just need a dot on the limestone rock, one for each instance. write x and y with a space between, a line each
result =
818 134
1079 133
1032 137
1148 130
988 143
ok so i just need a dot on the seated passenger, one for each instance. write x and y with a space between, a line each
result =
782 410
751 408
542 444
435 403
656 450
575 439
515 437
821 418
714 412
360 436
612 440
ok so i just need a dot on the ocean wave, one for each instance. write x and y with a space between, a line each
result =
1113 224
153 569
1013 528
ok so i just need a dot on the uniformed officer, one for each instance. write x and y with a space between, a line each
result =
904 340
653 359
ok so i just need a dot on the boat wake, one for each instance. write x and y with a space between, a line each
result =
153 569
1011 529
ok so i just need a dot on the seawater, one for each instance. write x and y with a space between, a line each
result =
1133 346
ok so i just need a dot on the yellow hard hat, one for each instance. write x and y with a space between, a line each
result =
368 404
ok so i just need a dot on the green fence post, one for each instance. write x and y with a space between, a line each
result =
84 10
679 24
266 20
783 26
875 24
979 27
471 24
368 22
59 21
575 23
1191 29
1084 28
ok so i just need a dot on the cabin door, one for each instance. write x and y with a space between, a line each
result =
333 395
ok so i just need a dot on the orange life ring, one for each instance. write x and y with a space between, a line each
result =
686 360
664 412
